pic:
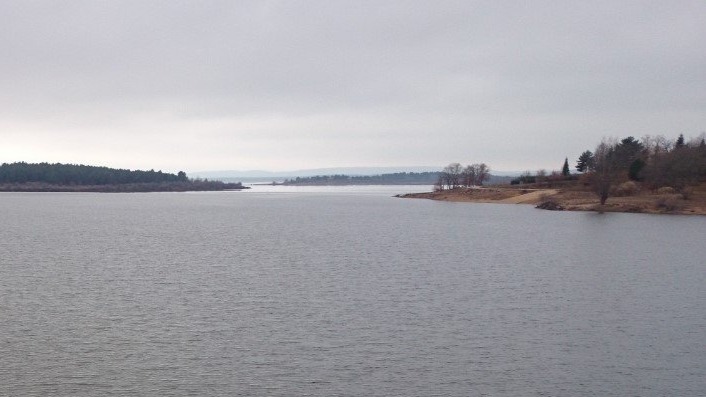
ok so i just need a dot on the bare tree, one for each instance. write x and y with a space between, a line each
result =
470 174
452 174
606 169
683 166
660 152
475 174
483 174
541 176
439 186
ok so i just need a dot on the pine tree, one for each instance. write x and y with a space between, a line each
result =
565 169
586 162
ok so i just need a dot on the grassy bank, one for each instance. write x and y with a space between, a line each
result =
575 197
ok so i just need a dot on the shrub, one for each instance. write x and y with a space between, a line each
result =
687 192
670 202
628 188
666 190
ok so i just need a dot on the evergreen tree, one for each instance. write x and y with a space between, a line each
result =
680 141
586 162
565 169
626 151
635 169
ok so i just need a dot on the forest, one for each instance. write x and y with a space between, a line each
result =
398 178
654 162
23 176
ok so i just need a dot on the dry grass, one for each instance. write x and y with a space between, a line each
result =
579 198
478 195
670 202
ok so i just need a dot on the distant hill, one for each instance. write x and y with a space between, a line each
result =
281 175
252 176
398 178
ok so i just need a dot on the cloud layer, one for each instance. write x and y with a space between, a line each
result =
287 85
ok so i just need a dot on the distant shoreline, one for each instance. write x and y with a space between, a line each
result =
339 184
57 177
191 186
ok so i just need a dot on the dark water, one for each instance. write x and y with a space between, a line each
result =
353 293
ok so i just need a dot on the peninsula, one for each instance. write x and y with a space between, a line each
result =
652 175
578 198
45 177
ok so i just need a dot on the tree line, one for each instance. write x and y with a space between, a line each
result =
545 178
397 178
72 174
657 162
456 175
45 177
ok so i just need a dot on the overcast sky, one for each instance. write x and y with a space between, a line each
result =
279 85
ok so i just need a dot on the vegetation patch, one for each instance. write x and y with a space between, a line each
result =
670 202
550 205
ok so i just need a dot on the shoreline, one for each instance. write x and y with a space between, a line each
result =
572 200
160 187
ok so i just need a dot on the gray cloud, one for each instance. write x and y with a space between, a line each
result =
277 85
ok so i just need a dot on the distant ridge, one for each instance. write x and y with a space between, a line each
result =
353 171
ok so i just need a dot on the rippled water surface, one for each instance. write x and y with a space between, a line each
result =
327 292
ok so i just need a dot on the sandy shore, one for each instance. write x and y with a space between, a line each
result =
575 200
534 197
488 195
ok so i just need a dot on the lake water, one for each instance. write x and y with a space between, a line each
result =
344 292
